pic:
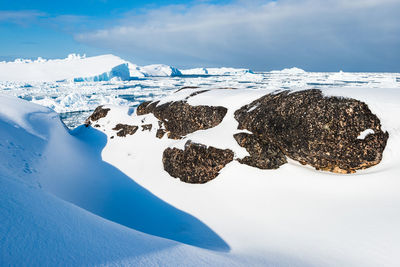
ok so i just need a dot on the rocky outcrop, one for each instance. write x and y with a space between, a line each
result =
334 134
179 118
196 163
263 154
316 130
125 129
97 114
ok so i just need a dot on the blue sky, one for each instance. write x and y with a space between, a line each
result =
316 35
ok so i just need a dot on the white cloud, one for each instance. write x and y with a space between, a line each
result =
20 17
313 34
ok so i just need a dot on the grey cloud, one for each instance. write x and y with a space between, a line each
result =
314 35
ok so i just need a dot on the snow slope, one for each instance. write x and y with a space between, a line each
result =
295 215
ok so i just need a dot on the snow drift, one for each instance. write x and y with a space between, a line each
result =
61 203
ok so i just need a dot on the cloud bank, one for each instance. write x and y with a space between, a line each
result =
357 35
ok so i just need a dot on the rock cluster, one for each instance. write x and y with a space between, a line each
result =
316 130
329 133
196 163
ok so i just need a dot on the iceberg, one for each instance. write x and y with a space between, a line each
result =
159 70
216 71
74 67
293 70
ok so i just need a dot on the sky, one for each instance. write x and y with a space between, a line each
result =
263 35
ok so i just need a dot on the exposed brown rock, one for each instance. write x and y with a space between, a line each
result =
263 155
180 118
196 93
124 129
160 133
316 130
197 163
146 107
97 114
147 127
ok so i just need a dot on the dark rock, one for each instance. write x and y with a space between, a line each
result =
263 154
97 114
196 93
316 130
180 118
146 107
197 163
160 133
147 127
124 129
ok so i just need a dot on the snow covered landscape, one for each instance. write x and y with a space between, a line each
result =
84 195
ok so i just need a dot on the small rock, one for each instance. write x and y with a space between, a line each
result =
125 129
147 127
197 163
160 133
97 114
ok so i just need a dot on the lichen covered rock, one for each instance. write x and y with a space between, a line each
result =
124 129
179 118
97 114
316 130
196 163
